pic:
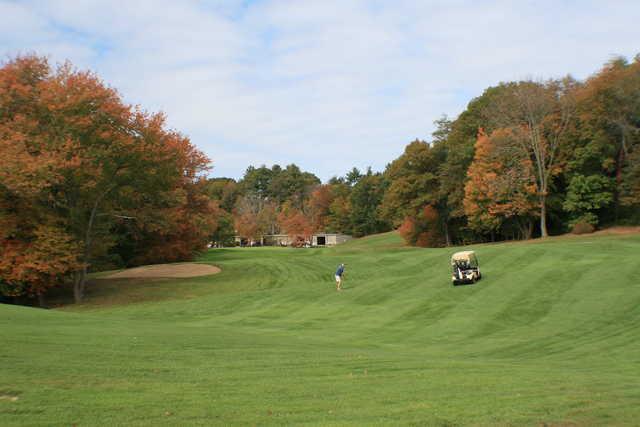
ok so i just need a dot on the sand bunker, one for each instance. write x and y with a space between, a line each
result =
165 271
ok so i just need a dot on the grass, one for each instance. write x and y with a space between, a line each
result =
551 335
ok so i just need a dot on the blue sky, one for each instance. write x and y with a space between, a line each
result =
327 85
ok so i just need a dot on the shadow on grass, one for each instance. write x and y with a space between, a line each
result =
104 292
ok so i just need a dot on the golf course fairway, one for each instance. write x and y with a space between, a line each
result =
549 336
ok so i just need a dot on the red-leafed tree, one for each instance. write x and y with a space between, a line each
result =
423 229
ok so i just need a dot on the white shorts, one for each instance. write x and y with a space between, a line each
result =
338 278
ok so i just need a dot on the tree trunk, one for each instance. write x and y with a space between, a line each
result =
78 288
79 285
543 216
619 164
446 233
42 303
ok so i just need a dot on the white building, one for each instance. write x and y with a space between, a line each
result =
329 239
317 239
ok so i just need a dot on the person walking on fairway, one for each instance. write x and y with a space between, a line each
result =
339 273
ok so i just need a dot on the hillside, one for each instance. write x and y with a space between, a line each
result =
550 335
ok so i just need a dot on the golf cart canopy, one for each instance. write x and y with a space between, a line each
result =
465 256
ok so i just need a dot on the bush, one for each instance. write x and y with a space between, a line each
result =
583 228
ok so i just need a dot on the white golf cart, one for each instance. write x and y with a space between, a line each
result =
465 268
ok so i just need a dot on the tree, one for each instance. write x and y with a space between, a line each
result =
609 127
225 232
339 215
291 184
353 176
83 163
365 199
255 217
423 229
258 180
413 182
585 196
31 267
318 207
501 185
296 225
541 113
225 190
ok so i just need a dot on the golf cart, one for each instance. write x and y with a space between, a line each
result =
465 268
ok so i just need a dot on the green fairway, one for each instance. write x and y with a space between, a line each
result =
550 335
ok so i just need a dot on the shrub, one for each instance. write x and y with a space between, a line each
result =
582 228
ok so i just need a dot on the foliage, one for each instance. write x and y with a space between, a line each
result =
31 267
225 190
501 184
279 185
296 225
543 139
423 230
318 206
587 194
225 231
365 199
413 181
541 113
77 160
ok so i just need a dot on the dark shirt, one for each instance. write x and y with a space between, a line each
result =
340 271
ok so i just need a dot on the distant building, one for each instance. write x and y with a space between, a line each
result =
329 239
317 239
277 240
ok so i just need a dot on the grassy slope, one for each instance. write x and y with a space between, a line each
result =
552 334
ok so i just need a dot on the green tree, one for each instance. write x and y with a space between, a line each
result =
225 190
366 198
225 231
413 182
586 195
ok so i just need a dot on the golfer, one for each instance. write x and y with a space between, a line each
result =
339 273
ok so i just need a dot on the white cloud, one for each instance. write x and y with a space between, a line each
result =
327 85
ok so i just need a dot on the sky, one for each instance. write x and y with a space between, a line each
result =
327 85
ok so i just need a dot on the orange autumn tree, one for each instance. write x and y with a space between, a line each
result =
319 206
296 225
501 188
32 265
423 229
38 250
83 165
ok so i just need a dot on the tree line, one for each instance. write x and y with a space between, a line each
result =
524 159
88 182
276 200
